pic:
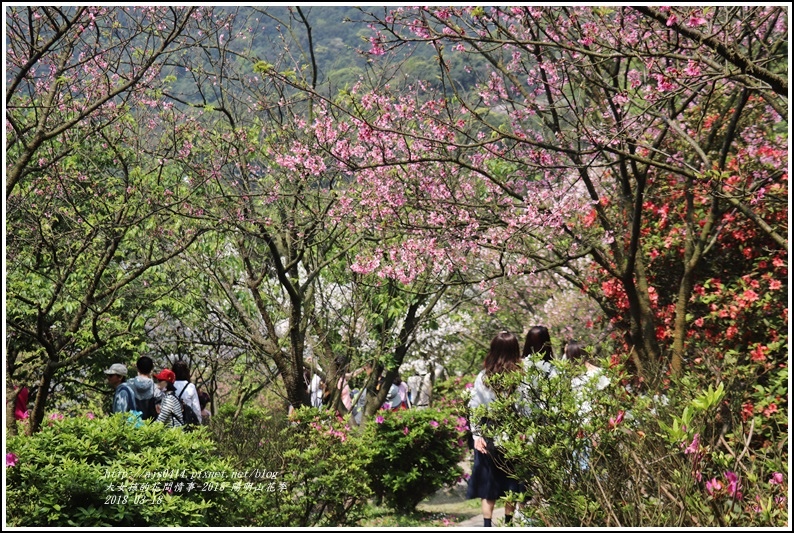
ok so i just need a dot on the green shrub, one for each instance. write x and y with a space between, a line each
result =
450 393
254 436
317 465
105 472
415 453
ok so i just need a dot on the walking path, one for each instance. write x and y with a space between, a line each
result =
453 500
498 519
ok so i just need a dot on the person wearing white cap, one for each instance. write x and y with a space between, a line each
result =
124 397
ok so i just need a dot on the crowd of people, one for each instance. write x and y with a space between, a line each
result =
415 392
489 480
158 396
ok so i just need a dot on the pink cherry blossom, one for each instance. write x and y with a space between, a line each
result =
692 69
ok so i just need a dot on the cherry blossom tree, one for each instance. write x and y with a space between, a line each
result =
618 149
586 116
71 73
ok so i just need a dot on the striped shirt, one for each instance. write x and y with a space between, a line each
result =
170 411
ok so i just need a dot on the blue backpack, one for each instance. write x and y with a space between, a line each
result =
125 390
134 415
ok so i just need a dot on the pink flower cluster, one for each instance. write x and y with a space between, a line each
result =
615 420
695 446
731 487
696 451
54 417
341 435
778 501
463 425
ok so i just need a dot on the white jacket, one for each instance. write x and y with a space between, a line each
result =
190 396
480 395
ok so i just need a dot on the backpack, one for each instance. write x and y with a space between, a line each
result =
189 417
146 406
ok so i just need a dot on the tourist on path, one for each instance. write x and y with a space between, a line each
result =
488 481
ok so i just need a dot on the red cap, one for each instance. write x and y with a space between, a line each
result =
166 375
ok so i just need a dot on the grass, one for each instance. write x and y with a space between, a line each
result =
385 517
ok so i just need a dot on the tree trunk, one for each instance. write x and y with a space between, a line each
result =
680 325
642 321
11 400
37 416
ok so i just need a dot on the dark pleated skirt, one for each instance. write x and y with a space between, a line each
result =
488 481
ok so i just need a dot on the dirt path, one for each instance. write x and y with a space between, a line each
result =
453 501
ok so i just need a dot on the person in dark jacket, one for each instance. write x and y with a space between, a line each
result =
488 480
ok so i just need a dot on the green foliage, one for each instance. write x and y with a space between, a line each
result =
673 457
415 453
252 437
315 458
379 516
450 393
262 67
105 472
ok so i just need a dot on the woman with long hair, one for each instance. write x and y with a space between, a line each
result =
488 481
538 340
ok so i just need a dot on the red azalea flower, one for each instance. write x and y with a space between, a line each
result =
772 408
759 353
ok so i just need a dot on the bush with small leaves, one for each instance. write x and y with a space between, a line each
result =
415 453
93 472
310 469
610 456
